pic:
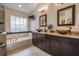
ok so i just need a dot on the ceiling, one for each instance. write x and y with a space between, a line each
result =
26 7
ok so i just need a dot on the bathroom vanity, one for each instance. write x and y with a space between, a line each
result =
57 44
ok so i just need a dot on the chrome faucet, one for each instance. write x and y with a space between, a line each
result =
70 30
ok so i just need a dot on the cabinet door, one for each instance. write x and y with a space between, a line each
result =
78 50
46 43
34 38
38 40
55 46
69 49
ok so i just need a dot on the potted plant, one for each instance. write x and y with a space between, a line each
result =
50 26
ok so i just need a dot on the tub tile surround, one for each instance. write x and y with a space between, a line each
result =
17 40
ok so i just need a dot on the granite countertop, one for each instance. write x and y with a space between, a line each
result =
57 34
18 32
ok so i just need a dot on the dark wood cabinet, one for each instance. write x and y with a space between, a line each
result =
34 39
55 48
56 45
46 43
69 49
37 40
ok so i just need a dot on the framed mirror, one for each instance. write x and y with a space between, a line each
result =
43 20
66 16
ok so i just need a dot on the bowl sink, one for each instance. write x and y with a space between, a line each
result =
39 30
63 30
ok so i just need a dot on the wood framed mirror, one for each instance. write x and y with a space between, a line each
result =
43 20
66 16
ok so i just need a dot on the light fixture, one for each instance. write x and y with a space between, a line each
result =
43 9
19 5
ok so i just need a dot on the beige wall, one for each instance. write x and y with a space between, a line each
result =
52 15
8 13
35 23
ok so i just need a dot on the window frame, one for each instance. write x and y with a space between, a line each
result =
24 26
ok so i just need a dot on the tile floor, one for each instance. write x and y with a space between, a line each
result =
30 51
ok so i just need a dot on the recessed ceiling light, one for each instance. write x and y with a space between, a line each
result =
20 5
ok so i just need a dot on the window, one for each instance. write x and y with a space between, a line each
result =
18 24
